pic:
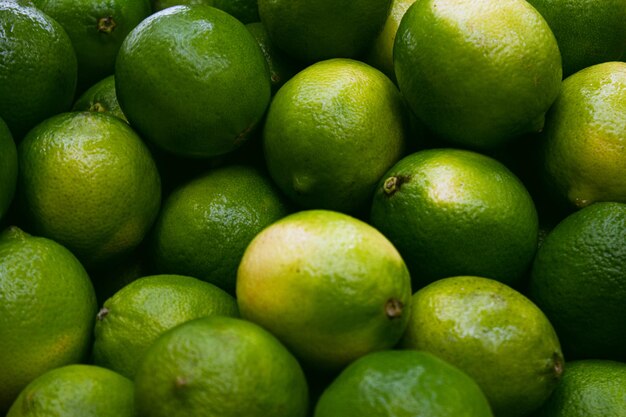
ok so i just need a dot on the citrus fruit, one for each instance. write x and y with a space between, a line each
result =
87 181
192 80
96 29
402 384
246 11
588 32
47 310
101 98
158 5
583 146
282 67
329 286
316 30
107 281
205 225
76 391
456 212
380 53
131 320
37 67
478 73
219 367
494 334
8 168
579 280
588 388
330 133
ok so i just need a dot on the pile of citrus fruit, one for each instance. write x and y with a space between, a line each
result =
313 208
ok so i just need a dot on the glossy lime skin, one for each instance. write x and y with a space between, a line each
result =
8 168
192 80
76 391
478 73
101 97
402 384
37 67
494 334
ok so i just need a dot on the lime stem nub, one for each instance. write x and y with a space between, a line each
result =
391 185
393 308
102 313
106 24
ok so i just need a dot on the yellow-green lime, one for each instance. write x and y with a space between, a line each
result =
88 181
76 391
456 212
579 280
494 334
37 67
101 97
478 73
47 310
219 367
588 32
588 388
192 80
402 384
312 31
96 29
329 286
8 168
380 53
331 132
206 224
134 317
282 67
584 143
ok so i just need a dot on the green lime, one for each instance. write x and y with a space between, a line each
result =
8 168
329 286
331 132
37 67
131 320
316 30
588 388
402 384
494 334
246 11
478 73
47 310
192 80
101 97
206 224
88 181
583 145
96 29
588 32
579 280
76 391
455 212
219 367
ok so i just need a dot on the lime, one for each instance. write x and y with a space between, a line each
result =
331 132
494 334
329 286
579 280
37 67
478 73
76 391
456 212
47 310
588 32
219 367
206 224
8 168
583 146
87 181
96 29
588 388
316 30
192 80
402 384
101 97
